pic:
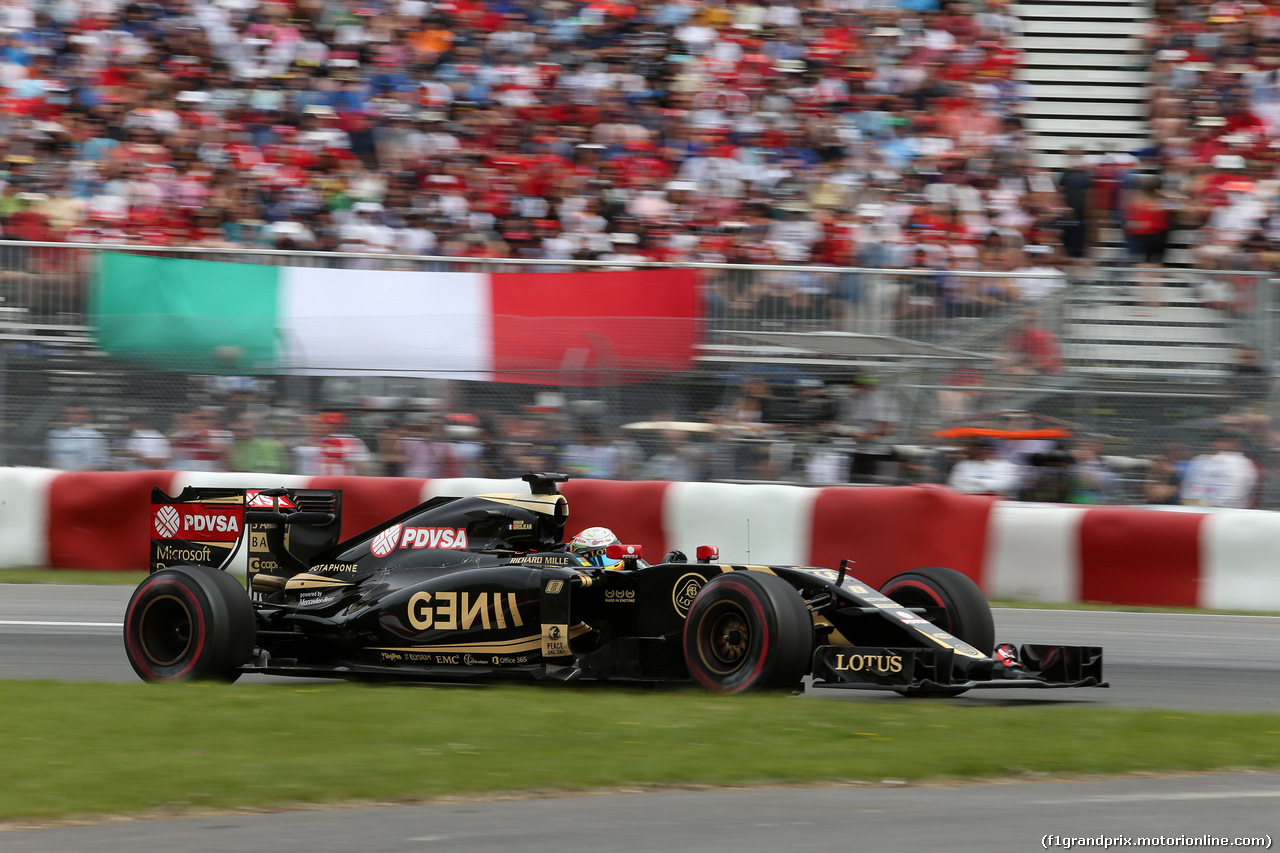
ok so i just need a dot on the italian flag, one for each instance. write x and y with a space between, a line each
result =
583 328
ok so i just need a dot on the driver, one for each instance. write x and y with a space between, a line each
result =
591 544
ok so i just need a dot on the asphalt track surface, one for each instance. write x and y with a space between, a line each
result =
1191 662
957 819
1170 661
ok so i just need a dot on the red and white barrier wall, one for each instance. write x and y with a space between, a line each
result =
1037 552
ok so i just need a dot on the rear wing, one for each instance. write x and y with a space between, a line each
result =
204 526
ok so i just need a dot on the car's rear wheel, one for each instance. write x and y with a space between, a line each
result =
748 631
189 623
953 602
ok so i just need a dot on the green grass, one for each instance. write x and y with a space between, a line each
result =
71 576
73 750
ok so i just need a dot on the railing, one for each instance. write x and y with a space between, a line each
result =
1149 360
44 286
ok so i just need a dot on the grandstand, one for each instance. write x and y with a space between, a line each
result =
783 150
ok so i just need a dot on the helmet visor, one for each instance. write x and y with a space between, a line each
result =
597 557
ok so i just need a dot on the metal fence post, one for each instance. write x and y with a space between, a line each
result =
4 404
1269 320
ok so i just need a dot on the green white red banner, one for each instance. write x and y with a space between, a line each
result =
589 328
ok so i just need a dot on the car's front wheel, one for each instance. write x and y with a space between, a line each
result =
189 623
951 601
748 631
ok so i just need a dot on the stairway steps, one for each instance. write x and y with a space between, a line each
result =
1088 80
1083 28
1078 43
1055 12
1050 93
1113 111
1107 129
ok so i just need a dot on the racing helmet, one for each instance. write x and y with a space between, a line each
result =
591 545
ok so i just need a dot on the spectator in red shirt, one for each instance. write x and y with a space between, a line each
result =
1034 349
339 453
198 443
1146 230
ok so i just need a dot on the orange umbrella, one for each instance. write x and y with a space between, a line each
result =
1012 434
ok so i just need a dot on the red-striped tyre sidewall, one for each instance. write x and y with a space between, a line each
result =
197 607
774 657
759 646
968 616
921 589
222 617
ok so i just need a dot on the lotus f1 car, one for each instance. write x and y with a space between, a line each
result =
481 588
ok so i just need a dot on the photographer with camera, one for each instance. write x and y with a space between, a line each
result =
1091 480
1061 475
1047 476
1225 477
868 414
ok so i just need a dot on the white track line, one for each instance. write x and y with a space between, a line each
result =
1195 613
1151 798
33 624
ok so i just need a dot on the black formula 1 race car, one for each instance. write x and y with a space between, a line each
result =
481 588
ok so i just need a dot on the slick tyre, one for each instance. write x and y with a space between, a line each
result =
748 631
956 605
189 623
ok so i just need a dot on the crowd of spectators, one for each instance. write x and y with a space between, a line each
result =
754 131
1215 86
807 431
810 431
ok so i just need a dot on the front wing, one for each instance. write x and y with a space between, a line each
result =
915 669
